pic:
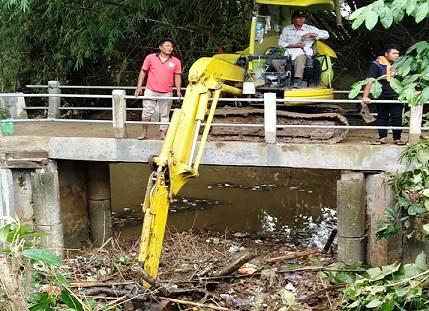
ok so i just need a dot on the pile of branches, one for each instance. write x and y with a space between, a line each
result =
204 270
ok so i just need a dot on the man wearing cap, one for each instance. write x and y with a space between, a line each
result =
298 38
161 70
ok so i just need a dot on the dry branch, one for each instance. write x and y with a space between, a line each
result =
97 284
196 304
294 255
235 265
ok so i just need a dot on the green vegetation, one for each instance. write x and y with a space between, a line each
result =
4 114
413 67
32 278
394 287
388 12
105 42
411 188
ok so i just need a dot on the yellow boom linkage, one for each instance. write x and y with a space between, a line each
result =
176 162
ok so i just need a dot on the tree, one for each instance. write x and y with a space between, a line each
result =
104 42
414 65
22 5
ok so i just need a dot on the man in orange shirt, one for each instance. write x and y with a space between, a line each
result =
161 70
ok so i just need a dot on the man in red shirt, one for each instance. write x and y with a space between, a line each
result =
161 70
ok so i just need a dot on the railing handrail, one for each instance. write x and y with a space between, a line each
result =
270 102
114 87
225 99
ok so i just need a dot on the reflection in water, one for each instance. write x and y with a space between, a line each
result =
297 203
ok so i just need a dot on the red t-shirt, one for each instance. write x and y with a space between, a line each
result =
160 75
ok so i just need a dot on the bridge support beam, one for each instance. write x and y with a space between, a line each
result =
46 207
379 197
99 206
351 217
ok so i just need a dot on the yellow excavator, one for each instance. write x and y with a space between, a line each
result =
244 74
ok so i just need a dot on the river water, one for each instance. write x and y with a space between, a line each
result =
297 204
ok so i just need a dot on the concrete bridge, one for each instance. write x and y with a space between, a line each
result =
51 171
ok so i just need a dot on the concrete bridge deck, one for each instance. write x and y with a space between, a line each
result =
95 142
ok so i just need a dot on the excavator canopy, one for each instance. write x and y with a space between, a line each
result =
311 4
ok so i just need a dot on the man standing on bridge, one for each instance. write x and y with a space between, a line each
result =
161 70
388 113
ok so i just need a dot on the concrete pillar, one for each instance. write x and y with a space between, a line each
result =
54 102
416 115
270 117
46 207
99 207
379 197
119 106
351 217
74 203
23 196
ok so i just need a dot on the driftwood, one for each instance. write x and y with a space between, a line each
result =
196 304
235 265
294 255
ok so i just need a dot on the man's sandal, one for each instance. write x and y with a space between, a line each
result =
142 138
380 141
400 142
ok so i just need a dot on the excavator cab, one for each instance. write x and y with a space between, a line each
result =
269 19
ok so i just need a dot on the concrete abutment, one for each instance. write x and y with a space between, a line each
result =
379 195
67 200
361 202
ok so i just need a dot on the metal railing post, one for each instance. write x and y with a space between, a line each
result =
54 102
270 118
119 106
416 116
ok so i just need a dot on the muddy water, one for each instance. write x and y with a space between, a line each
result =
296 203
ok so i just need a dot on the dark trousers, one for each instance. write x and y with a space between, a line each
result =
389 112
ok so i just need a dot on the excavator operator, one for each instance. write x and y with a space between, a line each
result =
298 38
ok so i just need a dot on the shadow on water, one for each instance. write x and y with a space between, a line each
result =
298 204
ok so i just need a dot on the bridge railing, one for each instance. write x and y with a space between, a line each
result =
269 101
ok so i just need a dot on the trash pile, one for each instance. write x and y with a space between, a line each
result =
207 271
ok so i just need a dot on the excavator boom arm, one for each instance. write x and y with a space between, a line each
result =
181 153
